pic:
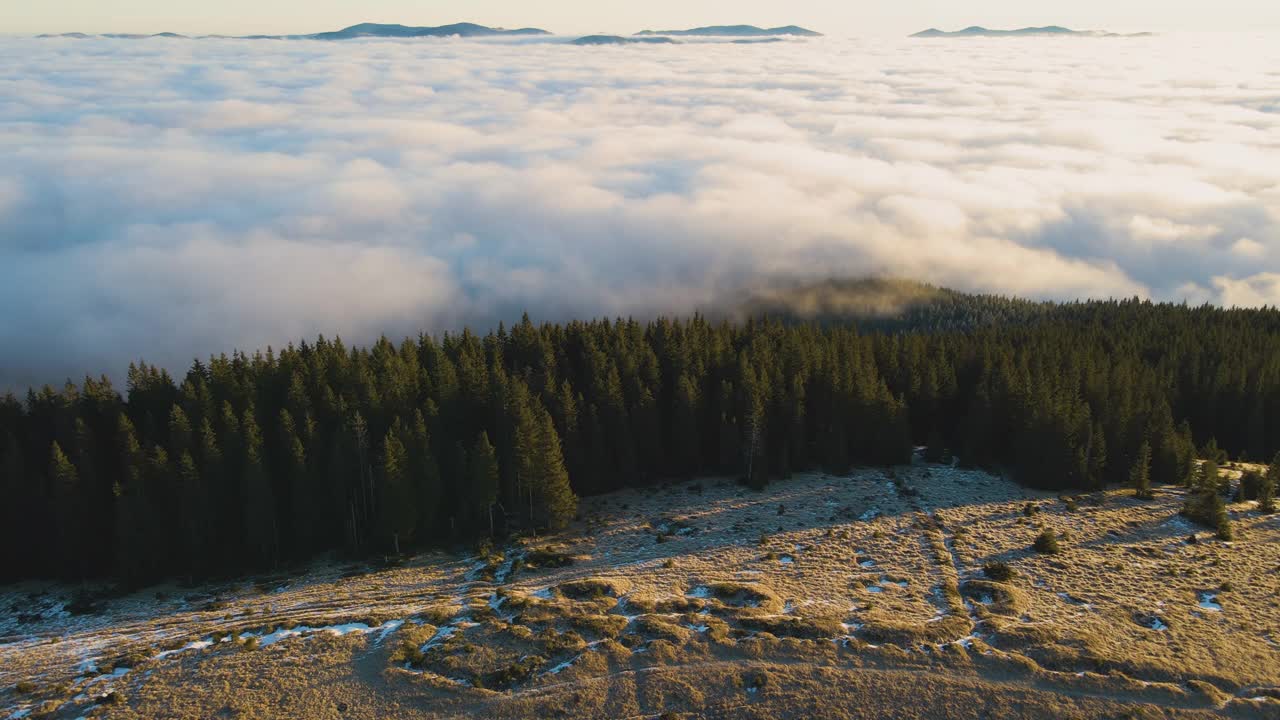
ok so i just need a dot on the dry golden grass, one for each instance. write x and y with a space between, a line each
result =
852 601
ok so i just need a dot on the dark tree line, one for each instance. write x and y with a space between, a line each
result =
252 461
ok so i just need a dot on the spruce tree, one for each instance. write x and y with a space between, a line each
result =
163 531
686 449
424 473
1267 488
398 501
261 536
541 469
69 516
295 480
132 516
1208 476
193 517
14 488
1097 457
1206 507
482 477
1140 473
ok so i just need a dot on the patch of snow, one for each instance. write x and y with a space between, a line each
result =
345 629
1209 601
564 665
504 570
196 645
871 514
1066 597
786 560
874 589
441 635
702 591
276 636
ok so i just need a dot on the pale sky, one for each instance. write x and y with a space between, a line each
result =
837 17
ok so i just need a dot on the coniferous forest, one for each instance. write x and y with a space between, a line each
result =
250 462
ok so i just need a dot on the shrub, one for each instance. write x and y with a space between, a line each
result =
1267 487
1046 543
755 679
555 642
1225 531
1250 484
24 687
602 625
514 673
407 652
547 558
1207 508
998 571
797 627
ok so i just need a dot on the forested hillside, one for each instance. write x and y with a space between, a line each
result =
248 462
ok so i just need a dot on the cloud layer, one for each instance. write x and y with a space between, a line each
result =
170 198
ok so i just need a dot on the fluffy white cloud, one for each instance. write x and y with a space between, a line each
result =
1255 290
176 198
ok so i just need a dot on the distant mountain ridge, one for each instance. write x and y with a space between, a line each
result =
737 31
394 31
1048 30
740 33
362 30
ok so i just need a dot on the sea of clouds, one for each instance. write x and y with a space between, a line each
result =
168 199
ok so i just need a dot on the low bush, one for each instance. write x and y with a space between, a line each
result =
561 642
998 571
515 673
1047 543
547 558
797 627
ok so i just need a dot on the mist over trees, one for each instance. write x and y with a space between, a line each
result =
250 462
